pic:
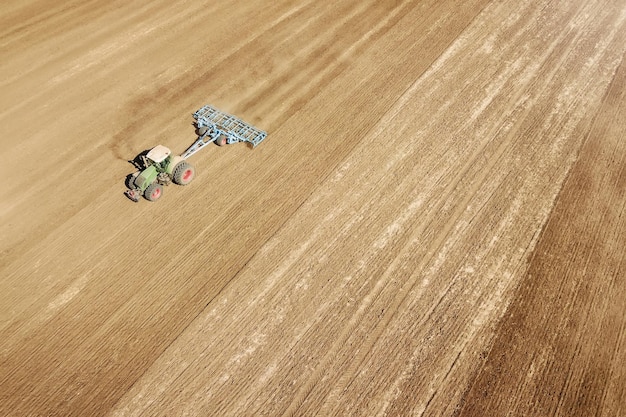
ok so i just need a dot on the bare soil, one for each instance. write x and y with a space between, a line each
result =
435 224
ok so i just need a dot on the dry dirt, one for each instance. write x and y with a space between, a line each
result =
435 225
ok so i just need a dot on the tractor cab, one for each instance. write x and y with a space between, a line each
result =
157 156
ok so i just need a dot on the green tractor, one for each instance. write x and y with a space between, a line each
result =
159 168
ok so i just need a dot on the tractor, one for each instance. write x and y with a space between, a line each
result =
159 167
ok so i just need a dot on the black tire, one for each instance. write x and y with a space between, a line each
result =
130 181
220 141
183 173
153 192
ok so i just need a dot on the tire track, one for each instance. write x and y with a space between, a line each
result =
564 283
363 351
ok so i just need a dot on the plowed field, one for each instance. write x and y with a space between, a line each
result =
435 224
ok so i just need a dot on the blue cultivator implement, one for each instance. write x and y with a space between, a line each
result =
222 129
158 167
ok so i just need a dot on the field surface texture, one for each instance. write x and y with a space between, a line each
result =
434 226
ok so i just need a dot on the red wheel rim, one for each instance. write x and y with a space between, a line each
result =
156 193
187 175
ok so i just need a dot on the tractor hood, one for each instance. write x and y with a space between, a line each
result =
146 177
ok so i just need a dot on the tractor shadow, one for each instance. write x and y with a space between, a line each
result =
137 163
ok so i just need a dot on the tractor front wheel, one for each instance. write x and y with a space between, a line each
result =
183 173
153 192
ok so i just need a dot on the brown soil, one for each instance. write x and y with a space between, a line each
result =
434 226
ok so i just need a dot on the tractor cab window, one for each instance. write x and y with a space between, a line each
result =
162 166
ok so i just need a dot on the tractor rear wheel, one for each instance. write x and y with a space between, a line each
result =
153 192
183 173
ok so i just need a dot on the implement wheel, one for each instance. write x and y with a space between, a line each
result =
183 173
153 192
220 141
